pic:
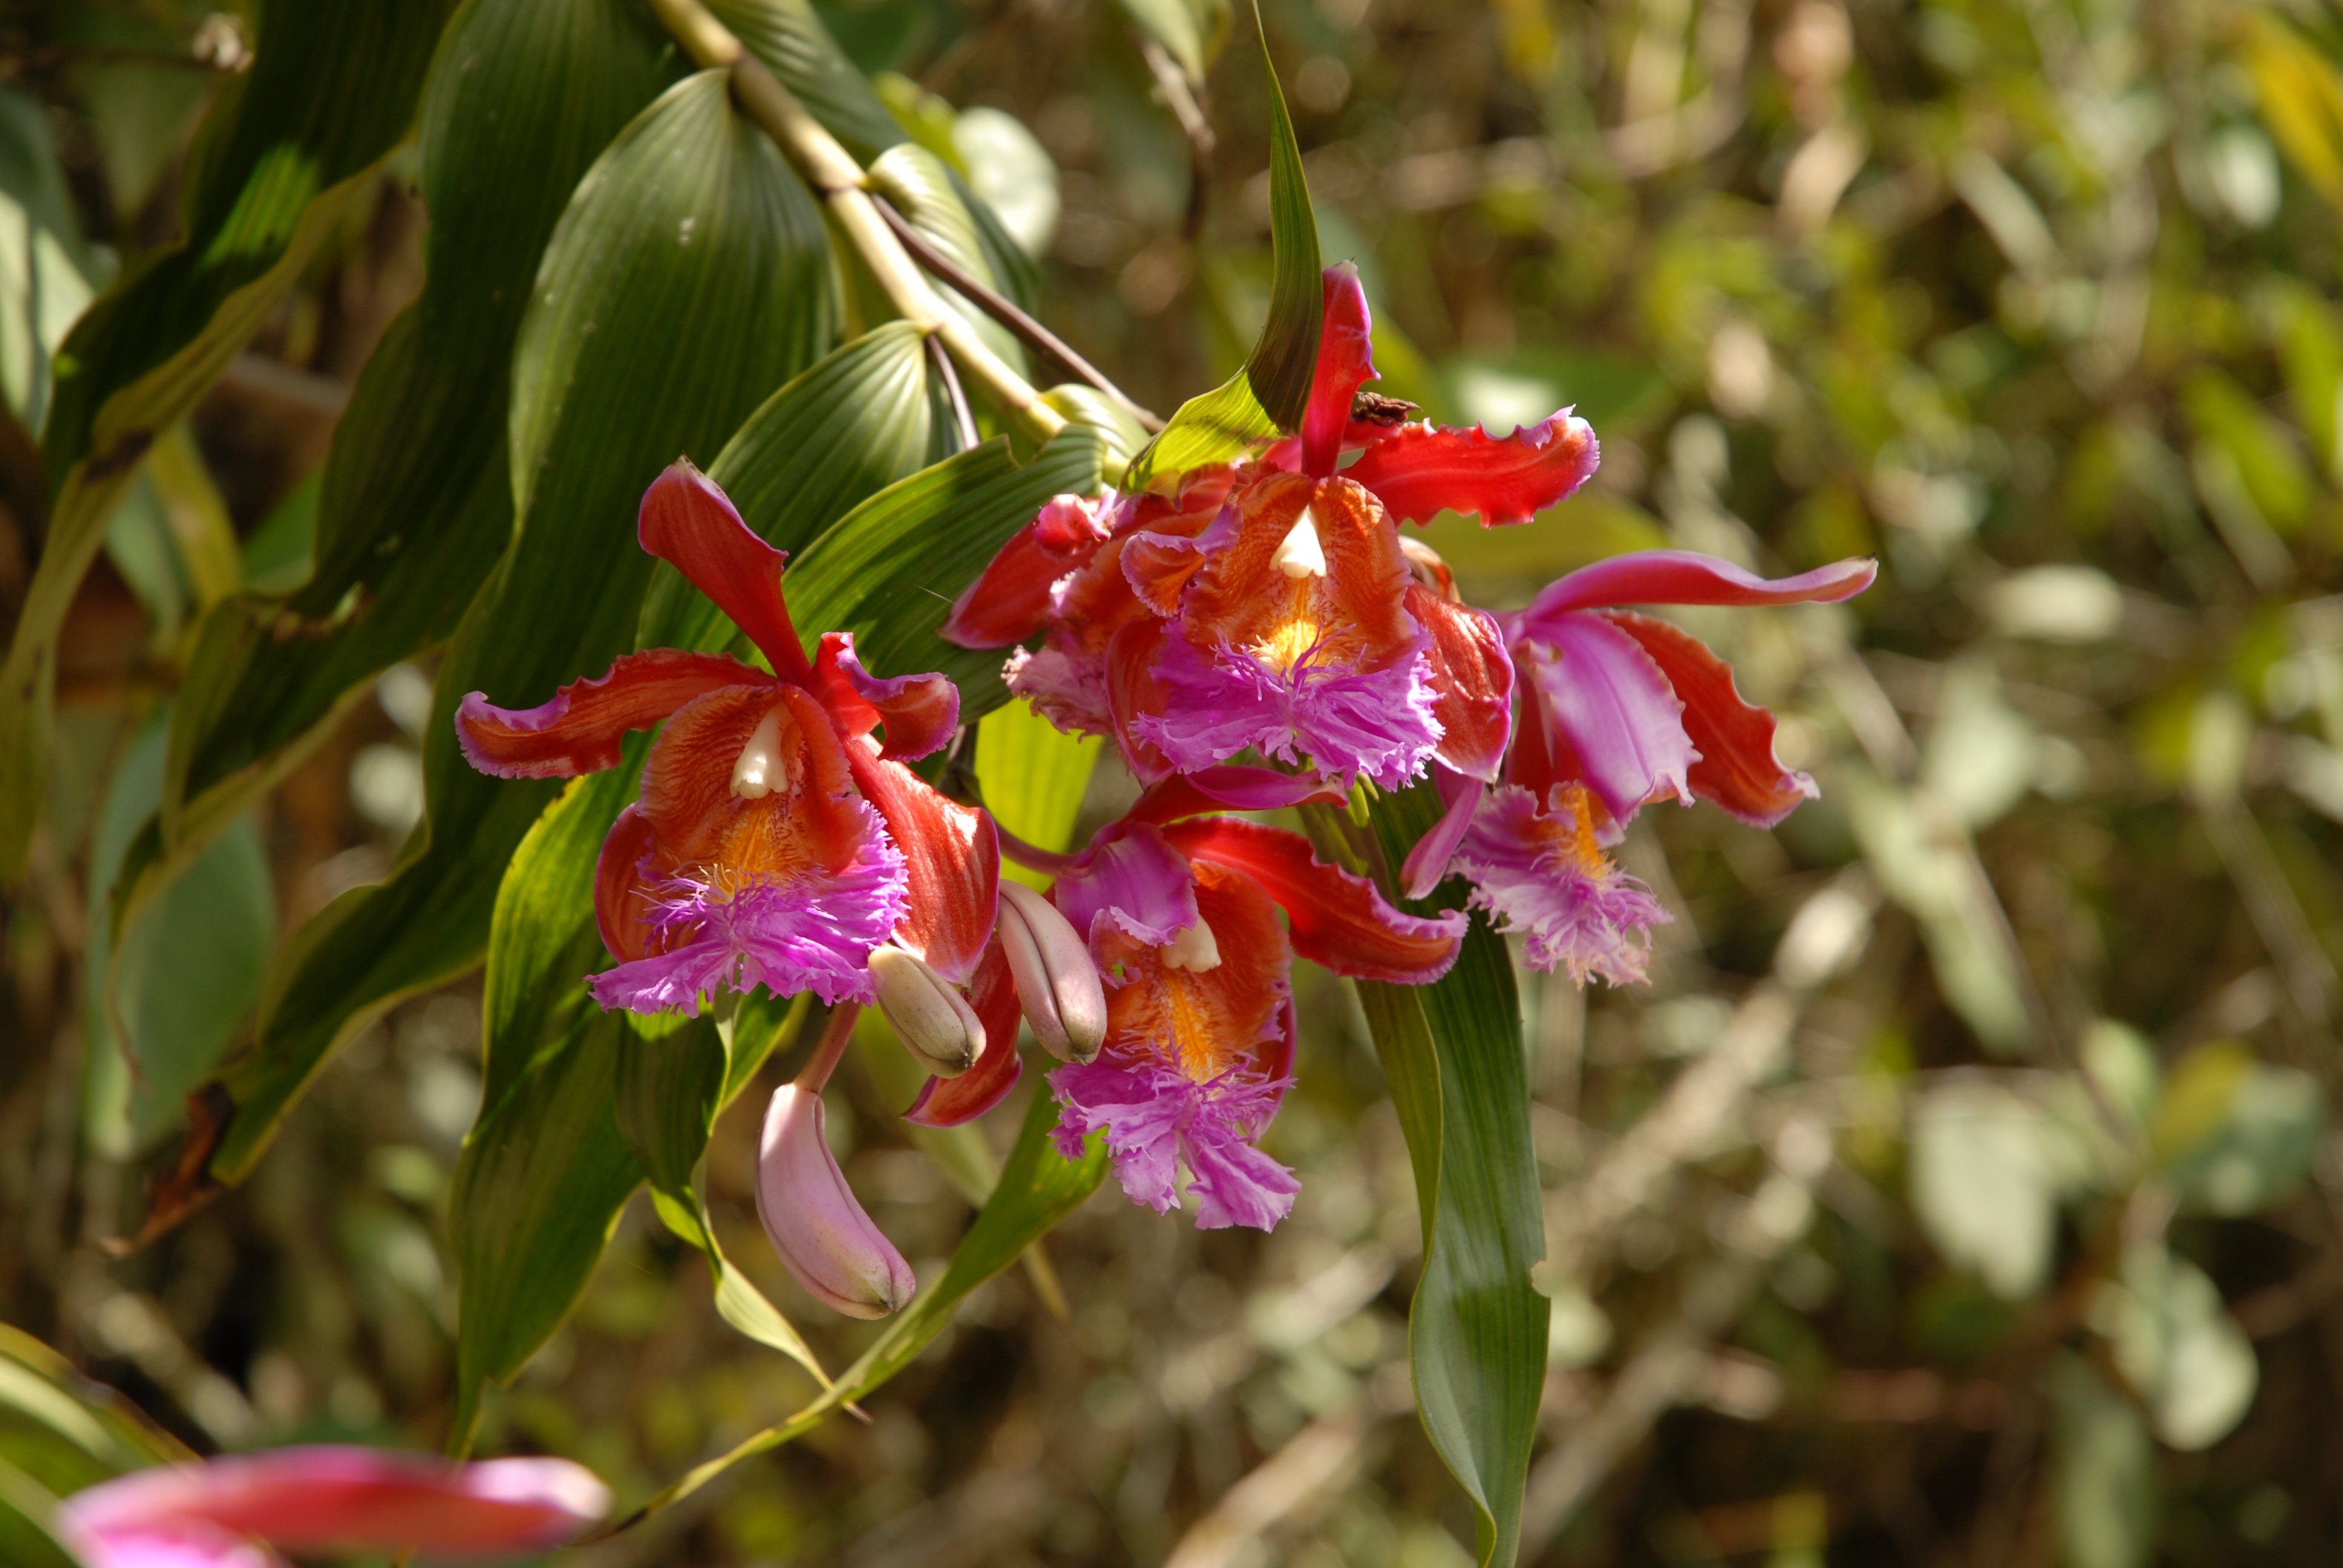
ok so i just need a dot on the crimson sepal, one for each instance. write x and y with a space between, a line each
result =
578 731
949 1101
1471 682
622 897
951 856
1736 767
1230 786
1336 919
919 711
1346 363
687 521
1419 471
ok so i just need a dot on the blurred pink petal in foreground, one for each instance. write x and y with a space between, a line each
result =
215 1514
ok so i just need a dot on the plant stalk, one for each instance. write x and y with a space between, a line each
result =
837 179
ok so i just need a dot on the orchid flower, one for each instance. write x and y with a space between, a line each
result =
1618 710
777 841
228 1513
1268 608
1180 919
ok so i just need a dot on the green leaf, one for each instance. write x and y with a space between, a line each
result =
1033 776
888 572
789 38
171 990
1038 1187
689 277
285 150
2176 1346
65 1431
2104 1472
920 187
846 429
1272 391
416 500
1452 1052
537 1191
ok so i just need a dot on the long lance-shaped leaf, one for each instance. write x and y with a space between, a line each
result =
795 46
1038 1187
1271 392
284 153
538 1191
1452 1052
889 569
416 502
688 277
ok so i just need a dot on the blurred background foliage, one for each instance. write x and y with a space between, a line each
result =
1961 1190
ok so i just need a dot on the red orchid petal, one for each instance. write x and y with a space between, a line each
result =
1230 786
949 1101
1132 687
1010 599
1158 567
337 1500
1471 682
1230 1016
687 786
1338 919
622 897
1737 768
1682 576
919 711
686 521
1614 707
1419 471
580 730
1346 363
1427 863
952 855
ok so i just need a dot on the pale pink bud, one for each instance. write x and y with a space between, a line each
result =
928 1011
1057 982
331 1500
812 1219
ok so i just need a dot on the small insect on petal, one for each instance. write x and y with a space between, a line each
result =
1057 984
928 1011
761 768
812 1219
1195 949
1300 554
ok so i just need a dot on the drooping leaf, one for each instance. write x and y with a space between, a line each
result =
888 571
416 502
1038 1187
920 187
538 1191
689 277
792 41
286 149
1271 392
1452 1052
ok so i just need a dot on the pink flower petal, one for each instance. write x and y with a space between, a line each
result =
1615 708
1680 576
1576 911
1737 768
1420 470
1335 919
578 731
1131 879
689 521
1156 1119
1346 363
919 711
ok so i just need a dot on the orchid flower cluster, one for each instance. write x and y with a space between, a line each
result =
1250 636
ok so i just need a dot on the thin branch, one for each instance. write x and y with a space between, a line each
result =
837 179
1006 311
1173 83
963 419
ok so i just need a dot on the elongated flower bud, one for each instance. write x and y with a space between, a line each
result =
812 1219
1056 983
928 1012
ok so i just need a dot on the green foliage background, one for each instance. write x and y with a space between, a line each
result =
1961 1188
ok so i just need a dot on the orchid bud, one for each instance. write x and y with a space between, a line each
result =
1057 984
928 1011
812 1219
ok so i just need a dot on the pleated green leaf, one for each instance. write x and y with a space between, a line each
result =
920 187
789 38
888 571
689 277
285 150
1452 1052
416 500
1038 1187
1271 392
